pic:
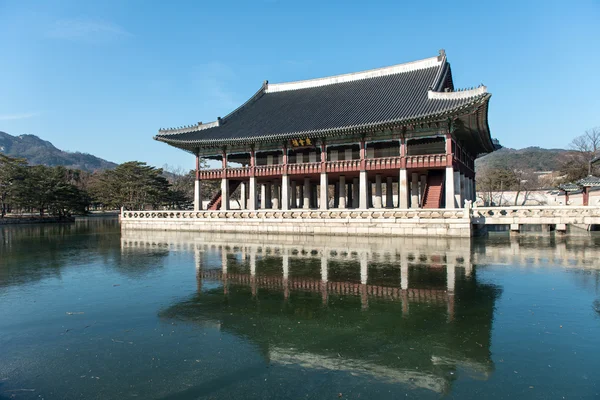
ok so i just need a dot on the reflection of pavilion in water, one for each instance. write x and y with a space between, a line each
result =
407 311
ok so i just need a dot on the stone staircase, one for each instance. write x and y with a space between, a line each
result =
215 202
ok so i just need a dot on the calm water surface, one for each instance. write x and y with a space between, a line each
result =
88 312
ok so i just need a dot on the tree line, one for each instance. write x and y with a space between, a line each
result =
581 161
63 192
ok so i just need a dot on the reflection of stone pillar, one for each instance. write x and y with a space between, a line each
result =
378 200
197 195
285 263
355 193
285 192
450 277
414 191
449 188
450 300
224 268
252 261
342 190
364 271
198 261
252 200
324 272
224 259
224 194
404 273
403 190
306 193
389 192
323 191
363 196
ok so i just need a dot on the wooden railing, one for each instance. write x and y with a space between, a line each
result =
343 166
371 164
304 168
426 161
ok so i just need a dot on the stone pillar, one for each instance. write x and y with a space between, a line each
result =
414 191
457 194
313 196
403 189
369 193
306 193
243 204
263 196
389 192
224 194
336 195
355 193
275 196
423 183
301 196
378 199
342 186
252 199
294 196
285 195
363 190
449 187
349 194
197 195
324 195
463 189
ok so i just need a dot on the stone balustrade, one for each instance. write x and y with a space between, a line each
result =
534 215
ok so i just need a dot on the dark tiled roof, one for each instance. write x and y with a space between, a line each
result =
589 180
405 93
569 187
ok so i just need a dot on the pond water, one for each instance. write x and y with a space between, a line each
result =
89 312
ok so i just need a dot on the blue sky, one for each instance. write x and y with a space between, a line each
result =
101 77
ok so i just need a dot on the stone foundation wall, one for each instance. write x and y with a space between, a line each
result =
391 227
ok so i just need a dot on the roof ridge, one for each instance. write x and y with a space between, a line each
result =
189 128
459 94
355 76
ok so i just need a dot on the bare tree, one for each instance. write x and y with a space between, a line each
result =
587 145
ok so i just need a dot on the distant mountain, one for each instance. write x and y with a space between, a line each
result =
41 152
533 159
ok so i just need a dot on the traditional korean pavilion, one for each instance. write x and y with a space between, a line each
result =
338 142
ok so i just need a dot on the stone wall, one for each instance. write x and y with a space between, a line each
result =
453 225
